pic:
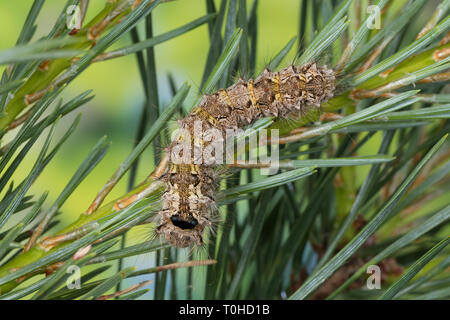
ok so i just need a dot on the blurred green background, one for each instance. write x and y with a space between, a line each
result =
119 95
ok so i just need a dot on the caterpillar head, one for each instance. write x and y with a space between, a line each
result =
183 228
187 204
181 233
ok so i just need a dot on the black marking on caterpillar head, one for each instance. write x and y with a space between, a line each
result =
178 221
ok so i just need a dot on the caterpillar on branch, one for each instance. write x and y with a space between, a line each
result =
191 186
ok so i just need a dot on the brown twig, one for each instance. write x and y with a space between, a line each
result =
437 15
127 201
248 165
446 39
160 168
374 55
96 30
134 287
19 120
47 243
439 77
187 264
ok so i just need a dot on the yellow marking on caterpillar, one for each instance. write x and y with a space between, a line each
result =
183 167
204 115
276 81
223 93
198 141
302 81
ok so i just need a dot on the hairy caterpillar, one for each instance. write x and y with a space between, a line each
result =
191 186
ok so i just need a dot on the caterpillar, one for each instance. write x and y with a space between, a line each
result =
191 186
